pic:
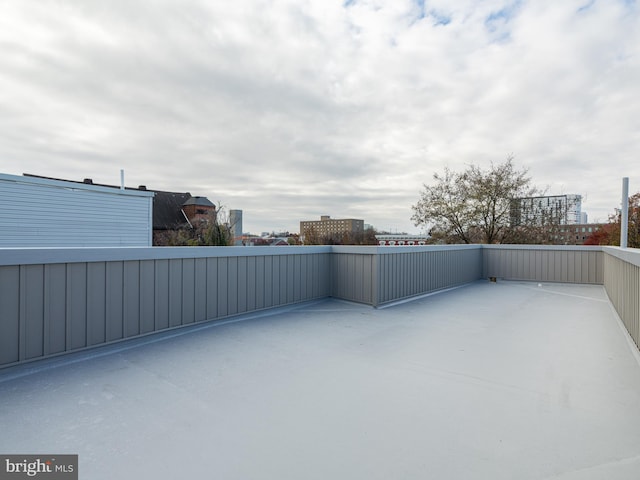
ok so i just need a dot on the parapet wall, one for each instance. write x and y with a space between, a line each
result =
544 263
622 283
54 301
379 275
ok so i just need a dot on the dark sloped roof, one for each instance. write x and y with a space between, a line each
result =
86 181
201 201
167 210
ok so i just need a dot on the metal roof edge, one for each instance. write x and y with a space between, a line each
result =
71 185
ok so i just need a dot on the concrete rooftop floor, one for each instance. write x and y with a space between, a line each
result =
487 381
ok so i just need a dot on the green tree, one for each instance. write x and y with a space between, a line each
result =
474 206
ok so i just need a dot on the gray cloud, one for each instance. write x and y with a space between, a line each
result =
292 109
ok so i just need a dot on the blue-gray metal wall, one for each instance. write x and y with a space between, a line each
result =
51 308
379 275
622 283
542 263
354 274
405 274
54 301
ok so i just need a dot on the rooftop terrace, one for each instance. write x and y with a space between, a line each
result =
513 379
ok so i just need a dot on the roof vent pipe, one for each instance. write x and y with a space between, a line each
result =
624 225
122 179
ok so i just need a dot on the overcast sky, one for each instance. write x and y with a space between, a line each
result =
294 109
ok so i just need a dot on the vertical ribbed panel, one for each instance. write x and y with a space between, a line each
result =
565 265
114 301
76 311
188 291
231 272
407 274
147 296
51 308
388 275
10 314
55 308
96 303
622 283
46 309
33 318
200 289
131 307
352 277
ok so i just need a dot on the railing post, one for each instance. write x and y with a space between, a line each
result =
624 224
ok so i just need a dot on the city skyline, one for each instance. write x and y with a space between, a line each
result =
292 110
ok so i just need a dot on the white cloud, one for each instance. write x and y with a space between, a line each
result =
292 109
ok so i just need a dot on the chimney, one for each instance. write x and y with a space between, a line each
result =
142 187
88 181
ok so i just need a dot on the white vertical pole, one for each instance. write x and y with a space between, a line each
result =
624 225
122 179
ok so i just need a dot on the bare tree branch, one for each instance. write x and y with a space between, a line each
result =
474 206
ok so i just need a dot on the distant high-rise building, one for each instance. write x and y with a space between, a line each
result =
583 217
235 223
547 210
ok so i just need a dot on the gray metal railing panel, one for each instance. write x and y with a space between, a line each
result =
622 283
98 296
10 311
379 275
53 308
566 264
37 256
352 276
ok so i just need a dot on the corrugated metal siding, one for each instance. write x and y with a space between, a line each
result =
46 309
407 274
40 215
86 297
622 283
564 265
384 275
352 277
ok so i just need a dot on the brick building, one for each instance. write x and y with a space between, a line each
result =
328 226
577 234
